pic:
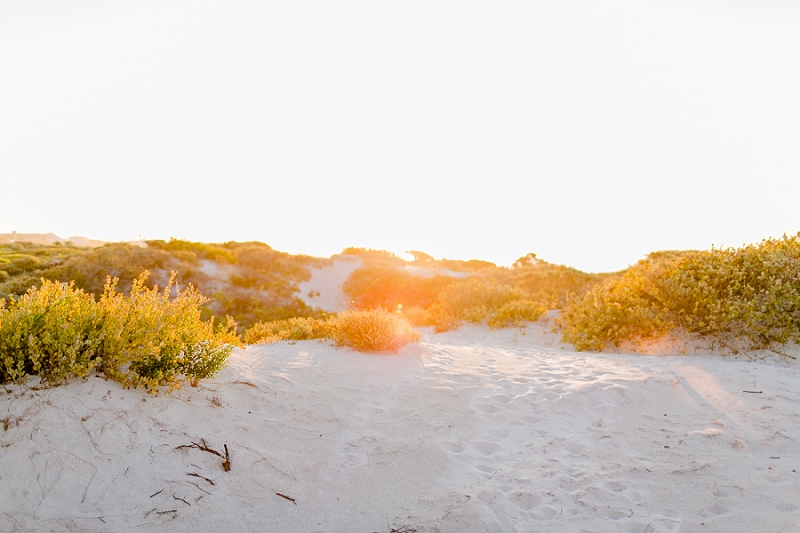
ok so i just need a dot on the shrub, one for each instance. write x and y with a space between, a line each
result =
151 339
293 329
418 316
515 313
372 330
745 298
213 252
364 330
474 298
147 338
52 331
502 297
620 310
387 286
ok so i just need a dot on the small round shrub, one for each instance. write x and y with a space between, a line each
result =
372 330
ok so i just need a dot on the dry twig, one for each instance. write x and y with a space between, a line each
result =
287 497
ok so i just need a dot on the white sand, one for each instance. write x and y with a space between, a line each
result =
324 289
470 431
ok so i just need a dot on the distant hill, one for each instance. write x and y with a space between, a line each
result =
50 239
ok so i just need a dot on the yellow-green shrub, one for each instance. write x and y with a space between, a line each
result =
515 313
499 296
372 330
625 309
743 298
52 331
293 329
476 298
154 339
147 338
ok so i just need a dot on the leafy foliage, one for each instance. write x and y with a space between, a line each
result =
364 330
372 330
502 297
516 313
147 338
370 255
746 298
21 264
292 329
386 286
249 281
53 331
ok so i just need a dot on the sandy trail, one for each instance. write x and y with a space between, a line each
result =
324 289
471 431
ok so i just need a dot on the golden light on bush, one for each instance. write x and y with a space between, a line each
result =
364 330
372 330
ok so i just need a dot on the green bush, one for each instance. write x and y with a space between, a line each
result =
516 313
52 331
476 298
292 329
147 338
746 298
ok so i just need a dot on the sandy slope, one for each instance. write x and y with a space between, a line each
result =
470 431
324 289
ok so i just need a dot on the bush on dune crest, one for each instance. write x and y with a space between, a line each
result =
498 296
742 299
363 330
149 338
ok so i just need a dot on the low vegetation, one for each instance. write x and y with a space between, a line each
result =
250 281
364 330
292 329
147 338
467 291
741 299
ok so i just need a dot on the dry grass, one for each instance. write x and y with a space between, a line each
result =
372 330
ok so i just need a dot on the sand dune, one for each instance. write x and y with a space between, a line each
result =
324 289
470 431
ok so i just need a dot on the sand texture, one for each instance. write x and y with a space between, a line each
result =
470 431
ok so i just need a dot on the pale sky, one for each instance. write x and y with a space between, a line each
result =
588 132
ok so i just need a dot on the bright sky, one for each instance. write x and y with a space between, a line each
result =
590 133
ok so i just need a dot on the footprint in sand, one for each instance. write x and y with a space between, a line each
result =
544 512
574 448
634 496
525 500
488 408
616 515
485 448
453 447
500 398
